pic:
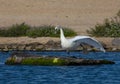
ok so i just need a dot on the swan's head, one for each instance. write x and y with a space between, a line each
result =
58 27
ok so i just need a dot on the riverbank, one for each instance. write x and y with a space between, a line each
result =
44 43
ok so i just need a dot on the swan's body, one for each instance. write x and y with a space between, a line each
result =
73 43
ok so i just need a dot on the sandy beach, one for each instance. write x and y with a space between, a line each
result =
79 15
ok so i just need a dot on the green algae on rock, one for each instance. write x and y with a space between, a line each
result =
28 59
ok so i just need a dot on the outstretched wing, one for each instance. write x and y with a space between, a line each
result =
89 41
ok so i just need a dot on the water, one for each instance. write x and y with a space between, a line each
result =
96 74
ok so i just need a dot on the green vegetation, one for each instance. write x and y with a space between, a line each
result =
15 30
110 28
48 31
36 61
42 61
23 29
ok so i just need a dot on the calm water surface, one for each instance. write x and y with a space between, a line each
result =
96 74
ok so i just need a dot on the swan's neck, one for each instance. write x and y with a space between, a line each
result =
62 37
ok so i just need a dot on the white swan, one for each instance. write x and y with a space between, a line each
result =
73 43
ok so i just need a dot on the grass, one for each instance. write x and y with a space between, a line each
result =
48 31
110 28
15 30
18 30
42 61
37 61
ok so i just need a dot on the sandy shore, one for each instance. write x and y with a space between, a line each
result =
44 40
79 15
26 40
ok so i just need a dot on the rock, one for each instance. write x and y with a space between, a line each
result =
52 45
34 46
29 59
116 42
21 46
28 48
2 46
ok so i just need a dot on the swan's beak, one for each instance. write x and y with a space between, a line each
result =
56 28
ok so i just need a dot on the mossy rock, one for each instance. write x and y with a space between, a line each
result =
26 59
43 61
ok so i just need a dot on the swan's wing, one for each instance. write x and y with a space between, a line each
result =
88 40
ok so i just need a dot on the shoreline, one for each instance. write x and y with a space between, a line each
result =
45 44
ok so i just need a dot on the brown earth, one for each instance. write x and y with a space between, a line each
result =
79 15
